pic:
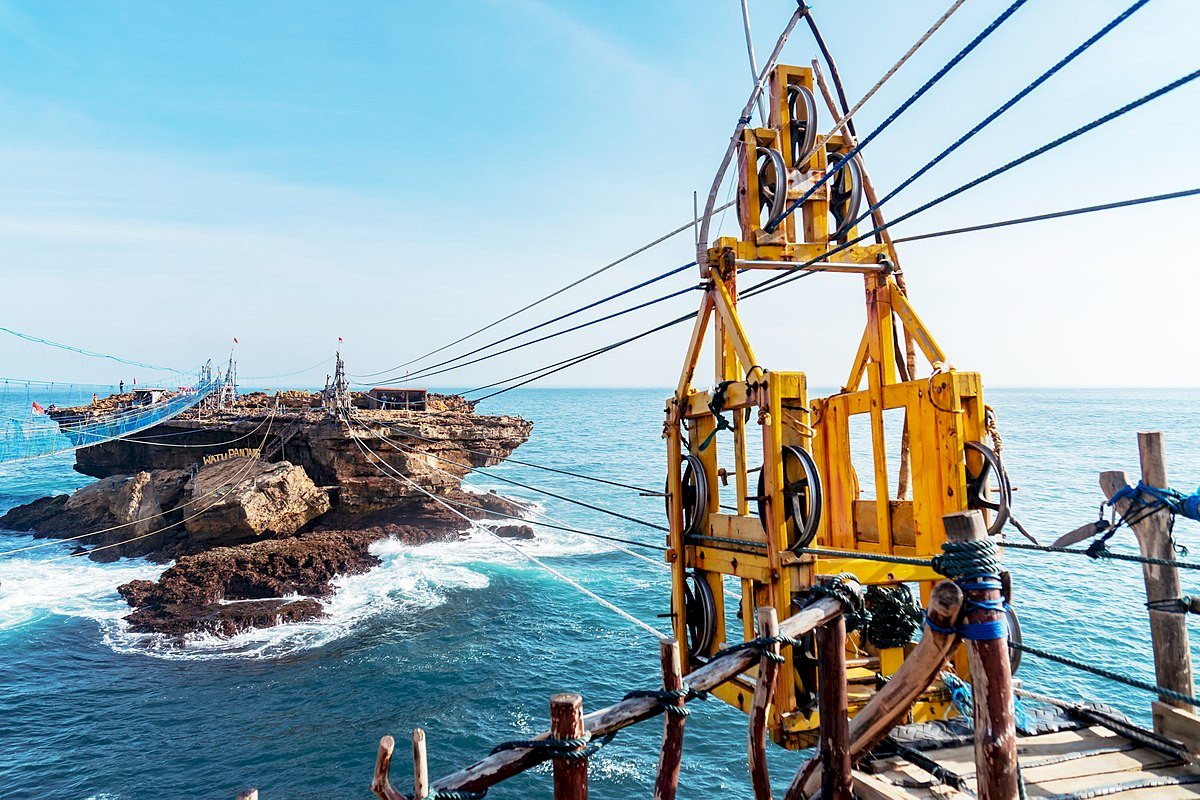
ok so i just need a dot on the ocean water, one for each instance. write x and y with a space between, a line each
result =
468 639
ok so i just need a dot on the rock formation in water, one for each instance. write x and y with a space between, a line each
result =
261 511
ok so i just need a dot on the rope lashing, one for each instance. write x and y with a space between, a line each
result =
1101 552
716 407
669 698
853 609
760 644
576 749
895 616
963 559
960 694
1176 605
1162 691
1187 505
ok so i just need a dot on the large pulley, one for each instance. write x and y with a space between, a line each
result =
694 495
988 489
802 497
699 614
772 185
845 194
802 115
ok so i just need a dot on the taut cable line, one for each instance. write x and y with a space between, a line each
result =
549 296
376 460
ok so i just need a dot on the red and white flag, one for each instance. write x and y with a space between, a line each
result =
37 408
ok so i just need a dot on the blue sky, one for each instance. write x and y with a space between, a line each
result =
177 174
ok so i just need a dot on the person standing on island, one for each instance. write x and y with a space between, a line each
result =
121 387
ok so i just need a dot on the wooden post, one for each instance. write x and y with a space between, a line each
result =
671 755
836 781
991 680
891 704
420 766
249 794
1168 631
566 722
381 785
764 690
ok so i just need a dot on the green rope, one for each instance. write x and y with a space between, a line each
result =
963 559
1104 673
865 556
1101 553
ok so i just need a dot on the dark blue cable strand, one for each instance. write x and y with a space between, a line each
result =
1018 97
556 334
788 276
559 318
941 73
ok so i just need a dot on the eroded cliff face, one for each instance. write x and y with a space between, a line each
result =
262 510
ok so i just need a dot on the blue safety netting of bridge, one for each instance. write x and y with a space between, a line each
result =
46 434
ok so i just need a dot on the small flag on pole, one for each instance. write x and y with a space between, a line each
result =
37 408
235 341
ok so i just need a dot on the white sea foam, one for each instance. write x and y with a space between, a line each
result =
410 580
40 583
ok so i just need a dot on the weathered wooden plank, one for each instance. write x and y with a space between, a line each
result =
566 722
670 756
764 691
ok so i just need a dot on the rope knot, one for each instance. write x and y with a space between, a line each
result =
963 559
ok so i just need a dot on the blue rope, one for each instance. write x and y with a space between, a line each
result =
90 353
941 73
1177 502
1012 101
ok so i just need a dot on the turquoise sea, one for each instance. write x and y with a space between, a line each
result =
468 640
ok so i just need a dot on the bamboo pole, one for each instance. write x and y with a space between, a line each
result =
497 767
420 765
666 783
832 700
991 679
1168 631
891 704
566 722
764 691
381 785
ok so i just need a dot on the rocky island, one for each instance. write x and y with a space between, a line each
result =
262 504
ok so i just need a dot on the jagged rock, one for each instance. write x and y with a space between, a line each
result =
120 516
229 589
242 499
512 531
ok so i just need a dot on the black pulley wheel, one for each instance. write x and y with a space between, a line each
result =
802 496
802 110
772 185
1014 637
988 489
694 499
845 194
699 615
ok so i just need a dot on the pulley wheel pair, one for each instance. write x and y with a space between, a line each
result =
802 496
988 489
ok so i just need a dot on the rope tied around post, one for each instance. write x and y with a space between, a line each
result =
853 608
1187 505
575 749
716 407
761 644
960 560
669 698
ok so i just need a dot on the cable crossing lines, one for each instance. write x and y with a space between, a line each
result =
556 334
529 556
929 84
1070 212
788 276
559 318
549 296
1008 104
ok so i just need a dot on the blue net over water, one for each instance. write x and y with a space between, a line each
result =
42 435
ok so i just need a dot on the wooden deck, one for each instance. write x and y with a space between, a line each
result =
1066 765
